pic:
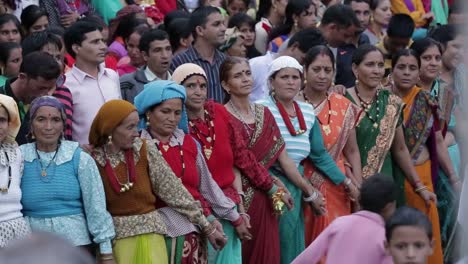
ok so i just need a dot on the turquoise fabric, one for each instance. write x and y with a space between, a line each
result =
232 251
440 10
291 225
107 8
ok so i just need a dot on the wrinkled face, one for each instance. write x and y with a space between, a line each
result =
248 33
235 7
362 11
409 245
47 125
40 25
159 56
4 119
453 54
307 19
93 48
371 70
125 133
134 53
196 89
238 49
240 80
405 73
37 87
320 73
286 83
13 63
431 64
214 29
165 117
10 33
382 13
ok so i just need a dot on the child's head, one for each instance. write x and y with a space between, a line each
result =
409 236
378 195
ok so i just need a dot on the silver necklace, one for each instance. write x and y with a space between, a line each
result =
240 117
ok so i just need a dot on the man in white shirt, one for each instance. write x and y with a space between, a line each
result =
298 46
89 82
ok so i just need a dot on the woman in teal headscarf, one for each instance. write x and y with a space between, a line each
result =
164 123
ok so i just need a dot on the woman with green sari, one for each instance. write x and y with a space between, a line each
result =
380 133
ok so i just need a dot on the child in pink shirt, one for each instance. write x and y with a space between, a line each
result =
358 238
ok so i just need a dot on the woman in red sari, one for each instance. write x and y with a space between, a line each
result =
263 137
337 117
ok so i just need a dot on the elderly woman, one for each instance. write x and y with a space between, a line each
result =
161 108
135 177
234 43
62 189
12 223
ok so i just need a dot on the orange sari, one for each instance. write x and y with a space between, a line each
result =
336 128
418 117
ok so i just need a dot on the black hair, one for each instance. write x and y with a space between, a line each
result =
341 15
405 53
239 19
408 216
294 7
173 15
445 33
178 29
126 26
49 69
421 45
264 8
75 34
93 18
58 31
150 36
5 50
224 71
400 26
374 4
307 39
140 30
30 15
377 192
5 18
348 2
314 52
37 40
199 17
225 3
361 52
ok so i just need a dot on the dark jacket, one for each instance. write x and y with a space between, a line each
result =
132 84
344 54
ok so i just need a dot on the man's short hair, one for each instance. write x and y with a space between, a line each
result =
400 26
307 39
342 15
48 67
150 36
199 17
75 34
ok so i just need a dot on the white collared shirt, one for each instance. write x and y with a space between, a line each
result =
150 76
89 94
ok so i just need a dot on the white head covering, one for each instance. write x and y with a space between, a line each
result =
281 63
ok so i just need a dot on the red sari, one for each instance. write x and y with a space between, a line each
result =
265 141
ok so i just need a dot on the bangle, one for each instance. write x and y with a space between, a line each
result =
246 215
238 222
347 164
242 195
312 197
416 183
107 257
420 189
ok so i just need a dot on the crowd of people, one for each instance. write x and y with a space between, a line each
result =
234 131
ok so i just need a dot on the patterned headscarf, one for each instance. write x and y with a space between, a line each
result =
110 115
157 92
230 37
187 70
47 101
13 117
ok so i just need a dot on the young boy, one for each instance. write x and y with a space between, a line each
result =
358 238
409 236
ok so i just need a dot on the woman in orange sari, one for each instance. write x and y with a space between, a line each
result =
337 117
421 126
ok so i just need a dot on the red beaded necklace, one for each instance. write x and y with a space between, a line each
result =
207 140
287 120
116 185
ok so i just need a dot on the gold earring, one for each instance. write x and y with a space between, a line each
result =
147 121
109 140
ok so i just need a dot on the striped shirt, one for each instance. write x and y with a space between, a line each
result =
215 91
297 147
64 95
